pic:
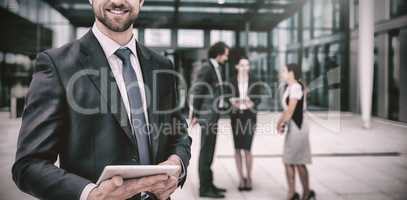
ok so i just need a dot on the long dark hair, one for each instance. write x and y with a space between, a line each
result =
298 112
296 69
235 55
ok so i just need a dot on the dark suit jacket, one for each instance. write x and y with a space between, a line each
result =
75 76
206 92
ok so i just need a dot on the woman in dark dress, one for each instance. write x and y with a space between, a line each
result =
243 116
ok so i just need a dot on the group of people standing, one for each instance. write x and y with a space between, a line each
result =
124 130
211 97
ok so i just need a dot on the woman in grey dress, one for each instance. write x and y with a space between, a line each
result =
297 150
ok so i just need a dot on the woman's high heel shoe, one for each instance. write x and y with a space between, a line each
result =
248 185
311 195
296 196
242 185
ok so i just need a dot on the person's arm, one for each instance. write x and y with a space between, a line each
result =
286 116
199 88
87 190
179 142
41 136
295 95
181 152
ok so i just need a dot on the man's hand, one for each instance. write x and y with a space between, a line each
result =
117 189
280 127
170 186
172 183
236 104
249 103
174 160
194 121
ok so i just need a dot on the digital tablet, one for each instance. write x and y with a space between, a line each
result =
136 171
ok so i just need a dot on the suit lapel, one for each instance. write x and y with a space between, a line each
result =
94 59
151 91
214 73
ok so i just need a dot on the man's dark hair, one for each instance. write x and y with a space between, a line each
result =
217 49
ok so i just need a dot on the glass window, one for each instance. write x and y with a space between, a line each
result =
356 13
190 38
307 21
394 76
135 33
292 57
212 10
398 8
225 36
80 32
336 15
293 29
256 39
376 66
323 17
380 10
258 62
157 37
10 58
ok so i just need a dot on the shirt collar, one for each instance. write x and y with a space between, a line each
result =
214 62
109 46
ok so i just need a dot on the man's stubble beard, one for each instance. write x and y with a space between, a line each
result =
111 25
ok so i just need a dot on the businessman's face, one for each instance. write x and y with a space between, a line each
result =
223 57
117 15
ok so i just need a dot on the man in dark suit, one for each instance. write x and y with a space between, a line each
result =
101 100
208 101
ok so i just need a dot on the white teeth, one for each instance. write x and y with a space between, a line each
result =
117 12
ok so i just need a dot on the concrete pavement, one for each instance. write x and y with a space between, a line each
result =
349 162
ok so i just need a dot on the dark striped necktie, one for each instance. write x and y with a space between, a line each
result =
138 121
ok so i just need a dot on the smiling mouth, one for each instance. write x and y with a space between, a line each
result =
117 11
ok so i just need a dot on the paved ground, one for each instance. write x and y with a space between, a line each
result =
349 162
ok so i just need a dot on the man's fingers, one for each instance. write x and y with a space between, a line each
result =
118 181
162 186
158 188
151 180
166 194
172 181
146 183
111 184
194 121
169 187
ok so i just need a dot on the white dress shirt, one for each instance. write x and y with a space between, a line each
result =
219 76
109 48
243 86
